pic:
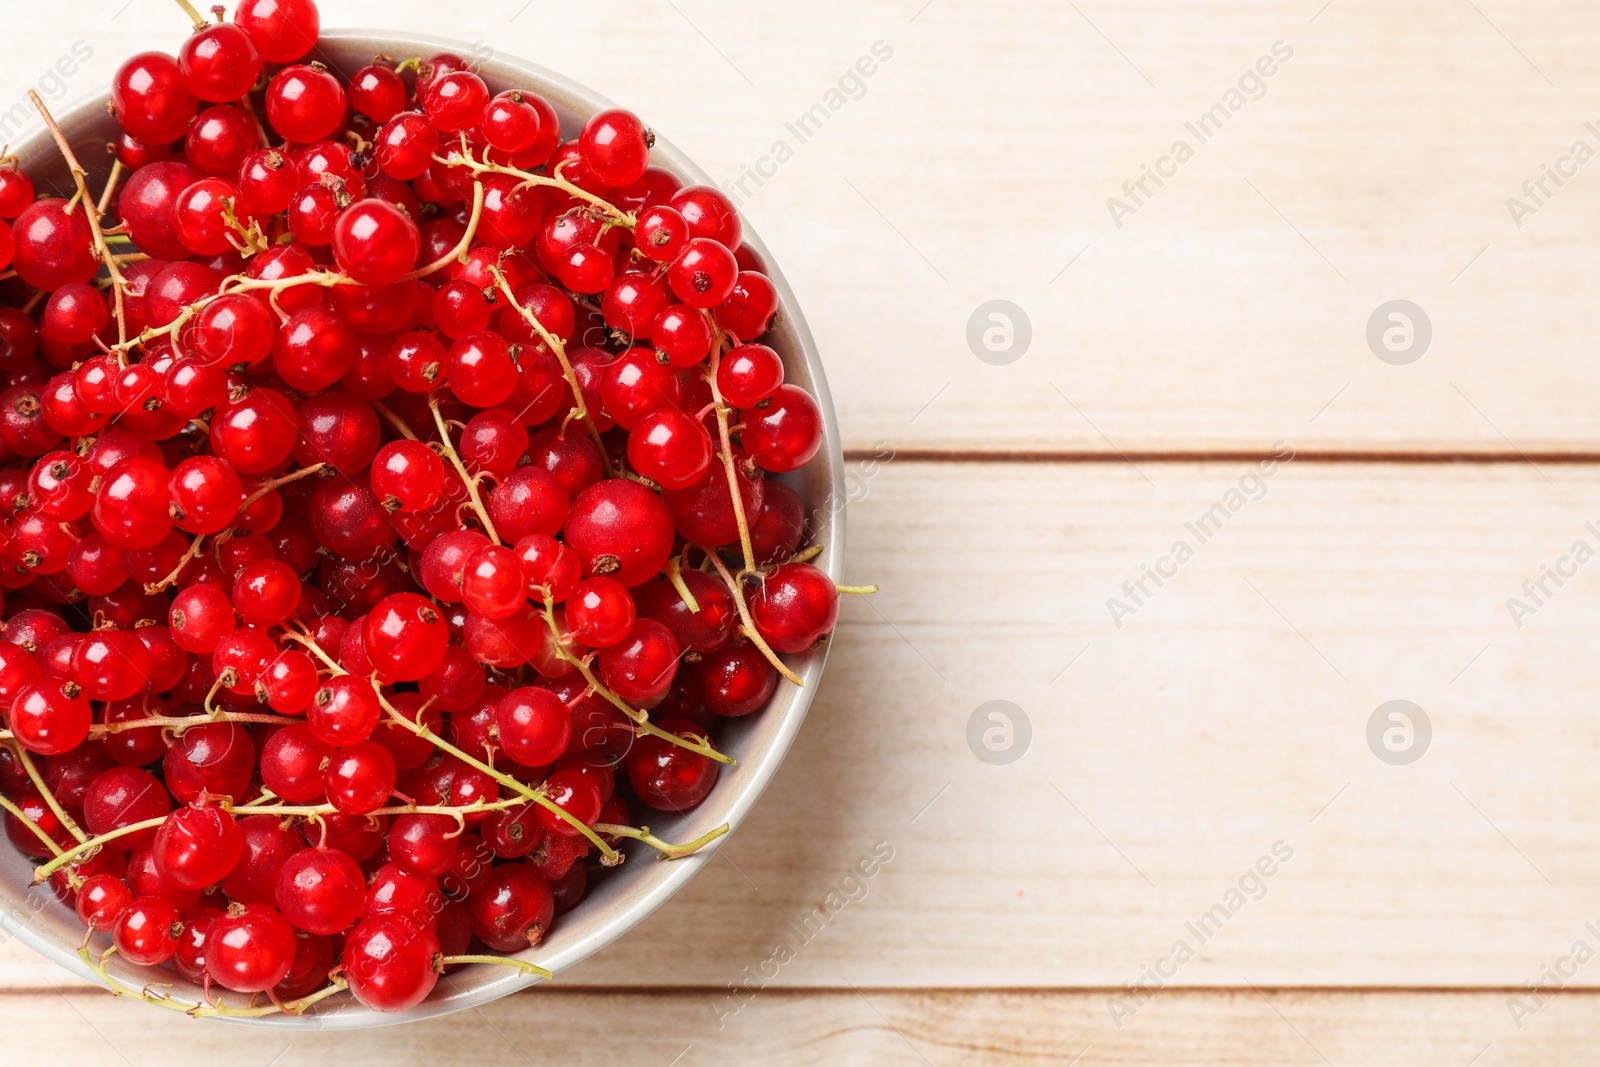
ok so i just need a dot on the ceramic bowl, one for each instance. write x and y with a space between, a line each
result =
621 899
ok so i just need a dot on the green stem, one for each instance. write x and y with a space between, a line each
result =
668 851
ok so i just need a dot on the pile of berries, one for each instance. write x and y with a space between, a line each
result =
385 519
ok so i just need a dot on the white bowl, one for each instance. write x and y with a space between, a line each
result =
624 896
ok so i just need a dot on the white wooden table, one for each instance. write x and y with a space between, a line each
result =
1410 905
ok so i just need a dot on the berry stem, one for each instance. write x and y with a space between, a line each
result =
668 851
204 1009
609 855
504 961
192 551
392 419
726 439
553 343
46 792
111 187
22 817
449 452
195 16
858 589
119 284
46 870
276 483
462 245
463 157
641 719
675 576
748 627
180 723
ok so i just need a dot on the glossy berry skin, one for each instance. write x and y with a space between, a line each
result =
600 612
249 949
669 777
528 501
256 432
784 431
709 213
389 962
197 846
305 104
292 763
201 615
620 529
321 891
511 909
534 726
282 30
423 844
511 122
101 898
615 147
150 98
735 680
205 492
122 796
360 778
219 64
670 448
492 582
704 273
344 711
794 607
661 232
266 592
455 101
49 718
642 665
54 248
147 931
748 311
377 92
375 242
405 636
111 665
406 145
200 216
749 374
408 476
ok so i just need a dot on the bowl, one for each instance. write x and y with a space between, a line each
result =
621 899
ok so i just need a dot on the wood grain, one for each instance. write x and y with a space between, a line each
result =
1228 714
1234 1028
978 162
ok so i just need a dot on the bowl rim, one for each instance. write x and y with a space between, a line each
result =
476 985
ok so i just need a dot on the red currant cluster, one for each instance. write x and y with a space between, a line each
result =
387 514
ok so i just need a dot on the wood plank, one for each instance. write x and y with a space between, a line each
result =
1236 1028
979 161
1229 713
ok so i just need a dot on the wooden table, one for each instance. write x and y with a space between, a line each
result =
1186 736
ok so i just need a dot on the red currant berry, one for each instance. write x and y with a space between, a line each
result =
669 777
784 431
283 30
389 963
321 890
305 104
512 908
408 476
795 606
146 932
249 949
150 98
375 242
197 846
